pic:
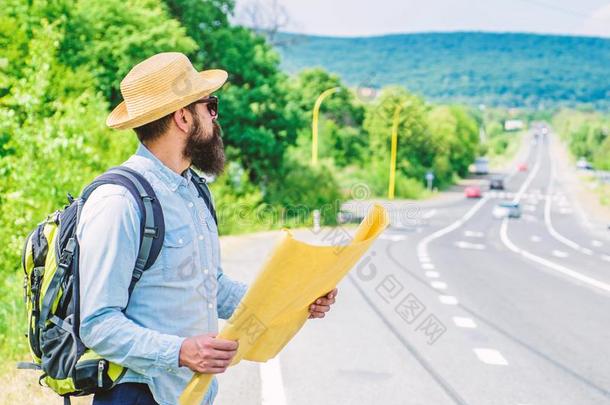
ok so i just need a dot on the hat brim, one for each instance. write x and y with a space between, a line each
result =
210 81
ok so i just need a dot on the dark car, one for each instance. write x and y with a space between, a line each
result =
496 183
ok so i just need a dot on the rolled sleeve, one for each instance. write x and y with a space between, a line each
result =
230 293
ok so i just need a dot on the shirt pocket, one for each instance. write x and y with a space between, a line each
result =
179 254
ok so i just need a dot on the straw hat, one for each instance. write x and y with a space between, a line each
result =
159 86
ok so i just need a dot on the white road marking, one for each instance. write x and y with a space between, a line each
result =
549 223
448 299
424 259
596 243
467 245
272 386
432 274
535 238
427 266
394 238
439 285
422 246
463 322
559 253
428 214
606 258
473 234
490 356
549 264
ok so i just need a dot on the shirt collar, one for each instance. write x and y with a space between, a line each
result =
167 175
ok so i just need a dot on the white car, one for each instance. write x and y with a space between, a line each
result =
507 210
582 164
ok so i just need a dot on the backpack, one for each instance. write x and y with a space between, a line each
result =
51 286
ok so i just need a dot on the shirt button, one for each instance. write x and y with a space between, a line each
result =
180 241
210 305
200 237
190 205
205 271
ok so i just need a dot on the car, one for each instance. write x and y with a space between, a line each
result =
507 209
496 183
522 167
583 164
481 165
472 192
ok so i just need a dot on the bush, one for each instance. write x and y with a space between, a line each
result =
300 189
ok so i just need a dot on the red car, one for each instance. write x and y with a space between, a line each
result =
522 167
472 192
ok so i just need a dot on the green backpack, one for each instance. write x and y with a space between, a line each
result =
51 286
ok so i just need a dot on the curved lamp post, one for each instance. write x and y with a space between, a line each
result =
314 123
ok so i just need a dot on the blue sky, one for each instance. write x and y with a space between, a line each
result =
376 17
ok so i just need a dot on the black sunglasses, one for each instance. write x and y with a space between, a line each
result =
212 104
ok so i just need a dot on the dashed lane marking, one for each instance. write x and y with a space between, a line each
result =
448 299
490 356
467 245
439 285
559 253
464 322
473 234
272 386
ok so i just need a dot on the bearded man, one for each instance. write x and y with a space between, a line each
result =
165 330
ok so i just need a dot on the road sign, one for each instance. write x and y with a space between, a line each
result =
429 179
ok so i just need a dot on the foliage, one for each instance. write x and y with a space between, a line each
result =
109 37
341 135
586 134
55 143
535 71
258 120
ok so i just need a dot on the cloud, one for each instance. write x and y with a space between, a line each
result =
598 24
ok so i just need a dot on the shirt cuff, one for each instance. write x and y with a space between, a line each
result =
169 357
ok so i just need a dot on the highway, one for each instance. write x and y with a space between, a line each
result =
454 306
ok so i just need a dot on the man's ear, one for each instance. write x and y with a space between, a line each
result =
181 119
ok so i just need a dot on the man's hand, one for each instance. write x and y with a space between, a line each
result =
321 306
207 353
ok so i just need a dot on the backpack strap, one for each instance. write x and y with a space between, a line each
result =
204 192
152 224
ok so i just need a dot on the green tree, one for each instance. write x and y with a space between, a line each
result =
257 117
416 149
341 135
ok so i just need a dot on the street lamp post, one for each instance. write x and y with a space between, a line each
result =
314 123
393 152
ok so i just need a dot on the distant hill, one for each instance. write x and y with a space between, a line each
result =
473 67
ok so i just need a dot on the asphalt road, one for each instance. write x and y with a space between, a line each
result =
453 306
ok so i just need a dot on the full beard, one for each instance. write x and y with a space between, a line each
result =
206 153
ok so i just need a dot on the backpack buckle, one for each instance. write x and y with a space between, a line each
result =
151 232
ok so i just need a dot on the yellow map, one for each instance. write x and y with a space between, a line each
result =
276 305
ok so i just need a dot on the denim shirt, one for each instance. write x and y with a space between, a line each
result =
183 293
